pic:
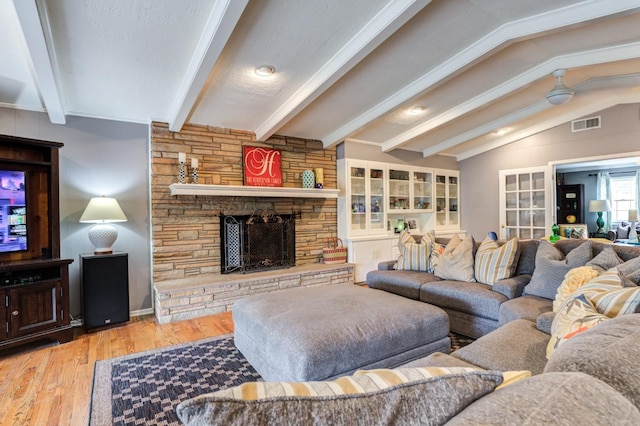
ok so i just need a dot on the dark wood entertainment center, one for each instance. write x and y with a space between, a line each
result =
34 283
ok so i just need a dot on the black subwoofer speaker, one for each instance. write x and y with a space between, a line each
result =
105 289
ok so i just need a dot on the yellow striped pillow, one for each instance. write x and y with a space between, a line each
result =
414 256
361 382
495 262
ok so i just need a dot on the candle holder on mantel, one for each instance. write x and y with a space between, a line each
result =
182 171
194 170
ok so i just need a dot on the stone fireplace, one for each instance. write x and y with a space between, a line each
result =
186 229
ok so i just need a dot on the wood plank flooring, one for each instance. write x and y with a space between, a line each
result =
51 385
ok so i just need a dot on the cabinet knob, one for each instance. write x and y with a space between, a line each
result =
15 313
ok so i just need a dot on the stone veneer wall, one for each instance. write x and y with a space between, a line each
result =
185 229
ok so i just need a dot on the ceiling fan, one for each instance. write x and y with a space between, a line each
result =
560 94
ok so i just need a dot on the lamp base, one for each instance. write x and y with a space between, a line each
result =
102 236
600 224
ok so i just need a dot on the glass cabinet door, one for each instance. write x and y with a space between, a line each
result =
447 199
441 200
376 185
366 197
422 189
452 201
399 189
357 186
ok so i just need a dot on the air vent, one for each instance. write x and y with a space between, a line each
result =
585 124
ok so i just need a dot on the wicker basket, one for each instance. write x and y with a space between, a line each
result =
335 252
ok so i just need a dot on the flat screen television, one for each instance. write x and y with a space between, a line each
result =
13 211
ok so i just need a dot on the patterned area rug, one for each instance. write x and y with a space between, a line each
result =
145 388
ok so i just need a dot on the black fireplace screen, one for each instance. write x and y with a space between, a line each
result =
263 240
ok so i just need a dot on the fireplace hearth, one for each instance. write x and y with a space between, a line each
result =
261 241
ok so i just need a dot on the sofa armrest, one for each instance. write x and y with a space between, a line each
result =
387 265
512 287
543 322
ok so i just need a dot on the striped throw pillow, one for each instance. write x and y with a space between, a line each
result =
600 299
370 397
414 256
495 262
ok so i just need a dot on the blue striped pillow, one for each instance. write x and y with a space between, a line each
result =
495 262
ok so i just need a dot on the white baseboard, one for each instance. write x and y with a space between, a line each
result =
140 312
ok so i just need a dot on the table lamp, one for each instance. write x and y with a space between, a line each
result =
599 206
102 211
633 218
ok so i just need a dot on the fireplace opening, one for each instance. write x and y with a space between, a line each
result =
257 242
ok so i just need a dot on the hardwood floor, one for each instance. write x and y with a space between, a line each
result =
52 385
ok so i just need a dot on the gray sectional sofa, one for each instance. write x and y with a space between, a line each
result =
476 309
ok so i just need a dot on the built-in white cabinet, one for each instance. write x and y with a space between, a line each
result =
447 190
376 197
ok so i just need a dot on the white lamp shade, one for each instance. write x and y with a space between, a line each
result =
599 206
103 210
633 215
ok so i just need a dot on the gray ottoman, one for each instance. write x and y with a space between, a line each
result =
317 333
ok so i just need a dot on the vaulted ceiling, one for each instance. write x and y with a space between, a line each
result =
453 77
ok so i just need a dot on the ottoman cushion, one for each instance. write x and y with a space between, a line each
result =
315 333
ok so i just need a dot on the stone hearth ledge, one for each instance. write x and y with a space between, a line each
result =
201 295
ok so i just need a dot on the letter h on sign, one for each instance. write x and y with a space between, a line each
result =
262 166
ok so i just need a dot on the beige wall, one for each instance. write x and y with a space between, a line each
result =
620 133
185 229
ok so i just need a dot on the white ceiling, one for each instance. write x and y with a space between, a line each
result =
345 69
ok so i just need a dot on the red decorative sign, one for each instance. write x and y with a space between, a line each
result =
262 166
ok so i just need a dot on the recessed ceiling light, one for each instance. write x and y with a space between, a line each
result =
502 131
265 70
416 110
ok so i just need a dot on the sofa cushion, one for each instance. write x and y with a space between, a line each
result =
376 397
551 399
552 266
544 321
414 255
494 262
402 283
472 298
438 359
631 269
456 262
525 307
606 259
609 352
518 345
527 261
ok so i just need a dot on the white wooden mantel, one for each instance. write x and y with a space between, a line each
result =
250 191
